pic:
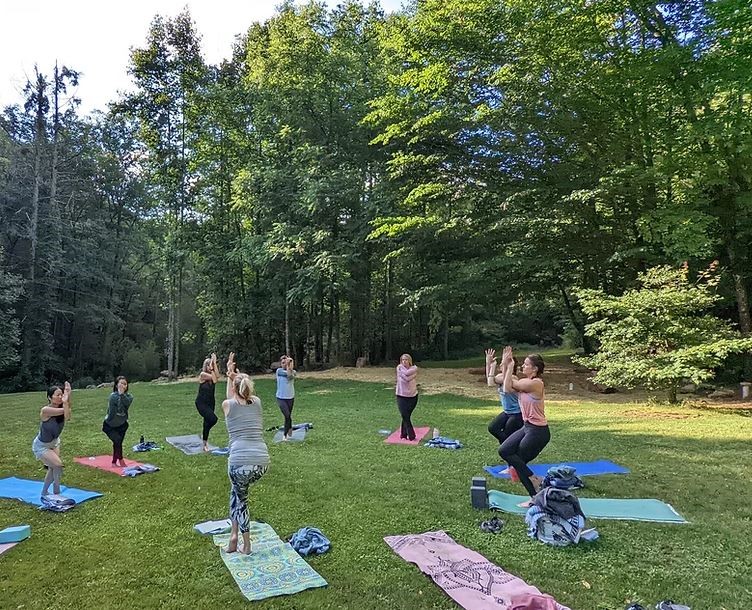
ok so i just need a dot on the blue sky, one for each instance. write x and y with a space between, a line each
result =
94 37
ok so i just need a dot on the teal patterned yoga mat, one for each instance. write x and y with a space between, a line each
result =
273 567
642 509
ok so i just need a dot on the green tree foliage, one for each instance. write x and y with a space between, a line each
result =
660 333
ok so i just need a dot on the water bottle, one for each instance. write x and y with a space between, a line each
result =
142 439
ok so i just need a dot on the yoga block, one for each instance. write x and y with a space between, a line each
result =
15 533
479 482
479 497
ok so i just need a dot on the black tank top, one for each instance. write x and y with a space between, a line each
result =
49 430
205 396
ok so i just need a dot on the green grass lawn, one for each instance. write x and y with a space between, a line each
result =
552 355
134 547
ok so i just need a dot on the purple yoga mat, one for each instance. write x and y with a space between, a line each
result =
468 577
6 546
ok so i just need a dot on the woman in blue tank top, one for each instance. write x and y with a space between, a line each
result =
510 419
46 445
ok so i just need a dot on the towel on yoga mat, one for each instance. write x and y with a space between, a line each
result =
104 462
583 469
636 509
466 576
273 567
298 435
30 492
394 437
190 444
221 526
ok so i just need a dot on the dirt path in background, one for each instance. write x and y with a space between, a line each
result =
472 383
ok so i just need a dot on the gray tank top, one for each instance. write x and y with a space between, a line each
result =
49 430
244 425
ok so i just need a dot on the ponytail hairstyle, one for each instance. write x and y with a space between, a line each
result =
537 361
244 387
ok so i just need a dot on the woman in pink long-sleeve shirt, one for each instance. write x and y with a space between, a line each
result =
407 394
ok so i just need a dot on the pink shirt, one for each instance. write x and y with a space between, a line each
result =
533 409
407 384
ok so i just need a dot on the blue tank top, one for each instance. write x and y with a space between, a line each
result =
509 401
49 430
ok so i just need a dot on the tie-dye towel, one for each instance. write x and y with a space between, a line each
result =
273 567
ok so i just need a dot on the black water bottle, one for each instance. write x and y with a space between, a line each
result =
142 439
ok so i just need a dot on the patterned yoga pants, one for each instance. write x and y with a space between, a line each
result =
241 478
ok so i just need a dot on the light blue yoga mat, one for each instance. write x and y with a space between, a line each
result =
584 469
647 509
30 491
297 435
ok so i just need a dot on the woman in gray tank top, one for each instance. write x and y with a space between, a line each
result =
46 444
249 458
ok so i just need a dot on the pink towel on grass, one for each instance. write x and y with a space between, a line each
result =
394 437
468 577
6 546
104 462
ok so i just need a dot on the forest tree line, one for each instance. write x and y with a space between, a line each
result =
359 184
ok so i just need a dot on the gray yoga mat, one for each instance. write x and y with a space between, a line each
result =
190 444
298 435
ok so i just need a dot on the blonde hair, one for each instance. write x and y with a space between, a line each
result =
409 358
244 387
206 367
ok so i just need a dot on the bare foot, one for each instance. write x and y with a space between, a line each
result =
527 504
206 447
245 549
122 463
232 545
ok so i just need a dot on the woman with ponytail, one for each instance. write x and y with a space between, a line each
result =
525 444
249 457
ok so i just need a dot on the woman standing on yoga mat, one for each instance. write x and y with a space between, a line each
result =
510 419
205 402
525 444
249 458
115 425
286 392
407 394
46 444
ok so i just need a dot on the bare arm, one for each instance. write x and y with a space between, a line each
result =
232 372
67 391
534 387
214 368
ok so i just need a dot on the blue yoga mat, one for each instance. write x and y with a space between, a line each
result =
29 491
631 509
584 469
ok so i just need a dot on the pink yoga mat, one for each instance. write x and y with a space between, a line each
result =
468 577
394 437
6 546
104 462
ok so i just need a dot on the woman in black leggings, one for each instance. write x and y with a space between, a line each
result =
205 399
524 445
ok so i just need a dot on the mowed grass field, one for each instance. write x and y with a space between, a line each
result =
135 548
